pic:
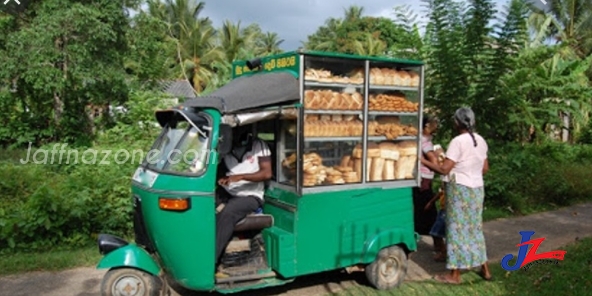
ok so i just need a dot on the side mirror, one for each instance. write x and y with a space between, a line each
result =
225 139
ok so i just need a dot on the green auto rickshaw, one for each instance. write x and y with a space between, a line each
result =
343 131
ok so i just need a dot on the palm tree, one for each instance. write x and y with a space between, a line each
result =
369 45
353 13
270 43
325 39
236 42
197 53
569 22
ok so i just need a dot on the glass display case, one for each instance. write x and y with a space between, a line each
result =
360 123
357 123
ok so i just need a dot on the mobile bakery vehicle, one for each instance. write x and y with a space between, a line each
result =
343 132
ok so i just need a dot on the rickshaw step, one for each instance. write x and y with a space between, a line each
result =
245 278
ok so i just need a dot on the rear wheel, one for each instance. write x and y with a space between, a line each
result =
130 282
389 269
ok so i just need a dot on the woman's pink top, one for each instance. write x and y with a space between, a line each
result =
469 160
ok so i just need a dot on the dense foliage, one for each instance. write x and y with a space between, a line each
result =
527 77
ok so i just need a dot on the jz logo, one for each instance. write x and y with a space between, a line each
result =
526 255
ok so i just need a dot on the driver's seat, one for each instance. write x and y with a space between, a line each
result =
255 221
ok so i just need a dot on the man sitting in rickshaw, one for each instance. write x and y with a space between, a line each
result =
248 167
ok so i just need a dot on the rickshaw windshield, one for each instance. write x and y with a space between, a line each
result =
181 148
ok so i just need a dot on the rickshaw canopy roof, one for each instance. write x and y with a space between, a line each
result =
250 92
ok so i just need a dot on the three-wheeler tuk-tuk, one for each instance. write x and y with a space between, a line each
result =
343 132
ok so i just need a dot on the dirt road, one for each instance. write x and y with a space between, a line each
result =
558 227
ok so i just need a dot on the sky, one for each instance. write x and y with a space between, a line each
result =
294 20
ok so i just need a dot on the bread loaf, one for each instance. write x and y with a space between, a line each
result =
414 78
376 169
376 76
405 78
373 150
407 162
358 168
345 161
389 152
357 76
330 100
348 126
388 172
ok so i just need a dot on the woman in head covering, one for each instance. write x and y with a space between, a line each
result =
465 165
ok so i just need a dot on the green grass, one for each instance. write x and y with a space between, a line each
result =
52 260
569 277
491 213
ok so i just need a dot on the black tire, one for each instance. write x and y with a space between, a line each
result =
389 269
130 282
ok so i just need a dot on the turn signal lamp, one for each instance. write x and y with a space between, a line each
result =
173 204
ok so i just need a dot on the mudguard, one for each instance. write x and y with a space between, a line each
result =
130 256
388 238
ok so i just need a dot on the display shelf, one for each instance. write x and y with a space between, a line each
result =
332 84
393 87
310 83
345 139
336 112
355 112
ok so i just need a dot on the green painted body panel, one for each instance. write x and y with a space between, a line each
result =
185 241
130 256
280 247
332 230
283 196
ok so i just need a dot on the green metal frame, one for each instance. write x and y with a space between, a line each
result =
283 62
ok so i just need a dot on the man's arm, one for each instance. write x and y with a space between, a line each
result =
443 169
263 174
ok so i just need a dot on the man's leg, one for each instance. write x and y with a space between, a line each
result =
236 209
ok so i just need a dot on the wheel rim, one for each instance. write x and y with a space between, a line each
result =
128 285
388 269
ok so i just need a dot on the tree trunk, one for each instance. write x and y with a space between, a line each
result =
58 102
565 128
58 108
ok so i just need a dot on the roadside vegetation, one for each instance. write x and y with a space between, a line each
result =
527 78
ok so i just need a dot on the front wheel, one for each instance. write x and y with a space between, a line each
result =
389 269
130 282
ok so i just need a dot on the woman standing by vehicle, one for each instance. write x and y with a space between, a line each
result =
425 216
465 164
